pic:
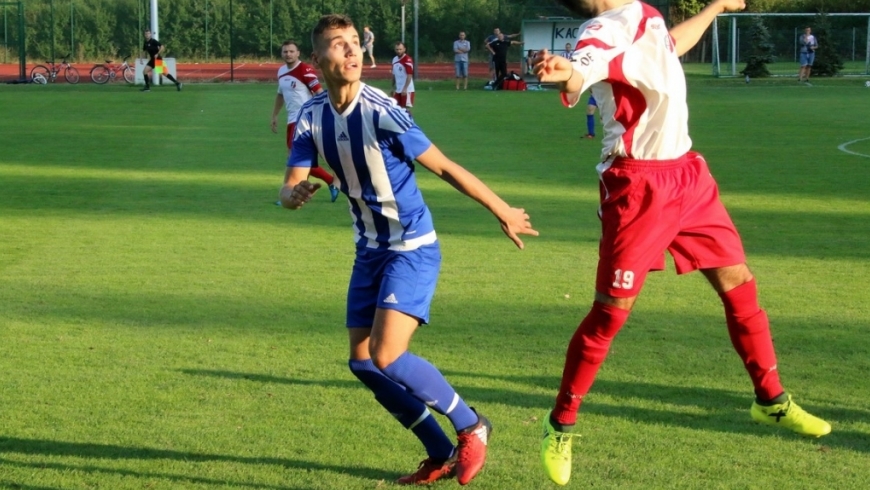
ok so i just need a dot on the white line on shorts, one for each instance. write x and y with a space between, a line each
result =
844 145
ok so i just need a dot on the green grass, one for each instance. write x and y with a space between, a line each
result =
164 325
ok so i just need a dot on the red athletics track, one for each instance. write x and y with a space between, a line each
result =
266 72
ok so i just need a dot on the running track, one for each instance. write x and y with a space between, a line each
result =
266 72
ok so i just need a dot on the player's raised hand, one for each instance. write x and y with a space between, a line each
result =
516 222
732 5
549 68
295 197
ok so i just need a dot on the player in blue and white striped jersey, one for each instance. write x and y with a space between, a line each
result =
371 145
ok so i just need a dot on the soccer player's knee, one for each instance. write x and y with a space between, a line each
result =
381 358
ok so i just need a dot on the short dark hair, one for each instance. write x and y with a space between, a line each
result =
289 42
399 43
329 21
574 6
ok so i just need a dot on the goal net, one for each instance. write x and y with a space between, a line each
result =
848 34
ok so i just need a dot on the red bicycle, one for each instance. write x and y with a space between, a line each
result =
50 73
101 74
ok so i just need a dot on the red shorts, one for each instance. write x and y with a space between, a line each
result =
404 100
291 130
648 207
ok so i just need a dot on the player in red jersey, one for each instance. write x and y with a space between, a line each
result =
403 77
656 195
297 83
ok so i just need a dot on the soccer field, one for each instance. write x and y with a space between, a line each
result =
164 325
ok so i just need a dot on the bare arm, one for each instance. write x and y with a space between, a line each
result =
489 48
297 190
407 82
279 103
687 34
513 220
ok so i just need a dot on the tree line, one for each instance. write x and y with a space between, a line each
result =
200 30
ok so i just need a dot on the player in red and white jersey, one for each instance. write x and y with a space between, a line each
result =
403 77
656 196
297 83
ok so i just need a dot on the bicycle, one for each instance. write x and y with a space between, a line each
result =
50 73
101 74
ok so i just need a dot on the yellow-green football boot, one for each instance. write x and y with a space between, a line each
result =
556 453
790 416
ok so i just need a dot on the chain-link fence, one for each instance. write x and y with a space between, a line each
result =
843 37
216 30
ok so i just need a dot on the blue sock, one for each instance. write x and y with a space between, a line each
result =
427 384
409 411
590 124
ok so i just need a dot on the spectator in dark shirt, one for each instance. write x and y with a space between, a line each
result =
499 49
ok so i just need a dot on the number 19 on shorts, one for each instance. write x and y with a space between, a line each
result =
623 279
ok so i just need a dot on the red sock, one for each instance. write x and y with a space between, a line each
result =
586 352
321 174
749 330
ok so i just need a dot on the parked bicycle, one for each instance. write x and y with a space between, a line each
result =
50 73
101 74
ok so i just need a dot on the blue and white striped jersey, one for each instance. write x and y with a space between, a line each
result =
371 147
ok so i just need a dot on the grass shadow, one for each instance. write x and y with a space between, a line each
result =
42 447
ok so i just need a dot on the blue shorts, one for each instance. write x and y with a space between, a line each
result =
808 58
592 101
461 69
401 281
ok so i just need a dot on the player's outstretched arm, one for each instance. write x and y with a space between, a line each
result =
687 33
514 221
549 68
297 190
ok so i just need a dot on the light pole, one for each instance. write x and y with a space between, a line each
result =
72 30
416 32
232 70
403 20
52 30
155 33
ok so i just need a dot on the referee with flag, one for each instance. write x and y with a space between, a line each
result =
153 47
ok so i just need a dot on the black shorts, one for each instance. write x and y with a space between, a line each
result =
152 62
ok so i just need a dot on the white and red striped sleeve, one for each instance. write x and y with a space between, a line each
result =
408 63
310 79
